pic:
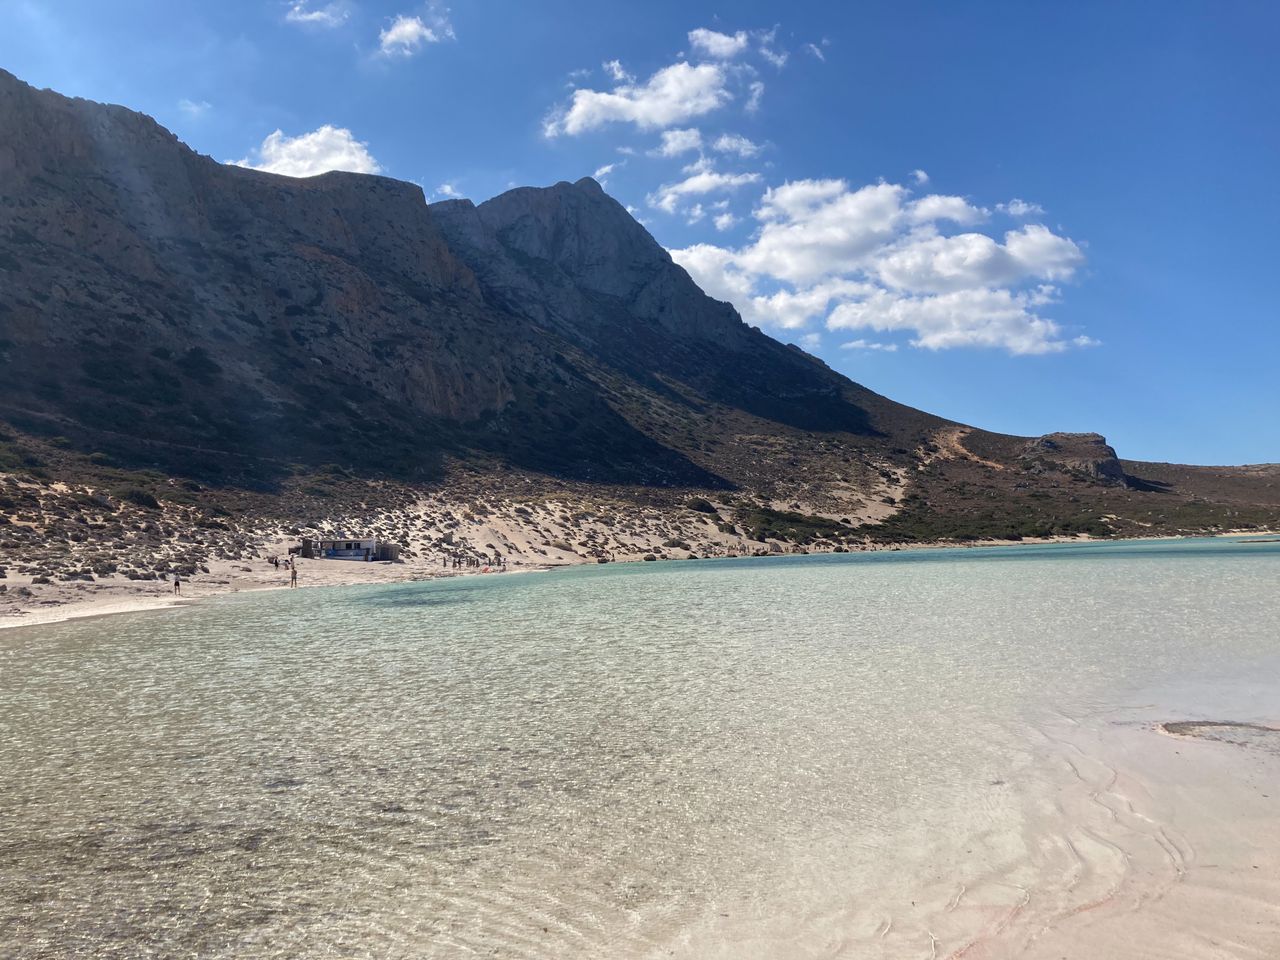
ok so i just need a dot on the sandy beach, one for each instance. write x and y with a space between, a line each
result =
69 600
72 600
26 604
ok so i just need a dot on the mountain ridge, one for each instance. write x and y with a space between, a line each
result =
206 260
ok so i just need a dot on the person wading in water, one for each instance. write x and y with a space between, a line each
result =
293 574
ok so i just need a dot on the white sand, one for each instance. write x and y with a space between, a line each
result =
68 600
1136 846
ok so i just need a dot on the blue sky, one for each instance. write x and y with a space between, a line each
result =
1028 217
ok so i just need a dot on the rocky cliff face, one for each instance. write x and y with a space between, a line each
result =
149 289
590 250
571 259
169 309
1088 454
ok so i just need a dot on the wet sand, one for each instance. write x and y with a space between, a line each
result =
1139 845
1176 849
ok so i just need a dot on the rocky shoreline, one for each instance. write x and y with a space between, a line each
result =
446 540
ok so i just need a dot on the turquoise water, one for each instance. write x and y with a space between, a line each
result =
702 758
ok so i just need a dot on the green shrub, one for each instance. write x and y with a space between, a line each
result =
763 523
138 497
199 366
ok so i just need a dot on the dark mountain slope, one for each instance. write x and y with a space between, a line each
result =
162 311
208 319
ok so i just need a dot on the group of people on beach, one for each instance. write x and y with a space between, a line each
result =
464 560
290 564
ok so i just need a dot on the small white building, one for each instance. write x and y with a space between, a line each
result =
350 548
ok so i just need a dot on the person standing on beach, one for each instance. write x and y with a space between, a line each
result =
293 575
177 585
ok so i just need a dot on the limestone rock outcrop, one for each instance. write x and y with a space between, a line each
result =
1088 454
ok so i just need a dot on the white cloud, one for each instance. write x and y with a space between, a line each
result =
736 143
674 94
963 318
615 70
676 142
875 258
869 345
776 57
1020 208
447 190
937 264
794 309
602 172
718 273
816 228
194 108
722 46
767 50
703 181
1043 253
824 253
330 15
328 148
937 207
407 34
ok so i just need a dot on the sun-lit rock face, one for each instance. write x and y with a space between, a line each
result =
1085 453
572 259
582 240
127 251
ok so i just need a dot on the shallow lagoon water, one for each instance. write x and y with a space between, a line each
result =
769 757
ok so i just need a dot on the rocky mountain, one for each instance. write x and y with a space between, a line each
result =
166 315
169 309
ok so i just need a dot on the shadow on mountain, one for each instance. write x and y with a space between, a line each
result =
1147 486
574 434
